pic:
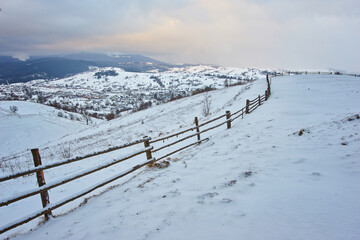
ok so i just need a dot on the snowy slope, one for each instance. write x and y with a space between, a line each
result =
32 126
154 122
258 180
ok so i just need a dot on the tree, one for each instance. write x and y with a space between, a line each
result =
206 104
28 92
110 116
144 105
14 109
40 98
86 116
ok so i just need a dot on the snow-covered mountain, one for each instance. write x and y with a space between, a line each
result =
60 66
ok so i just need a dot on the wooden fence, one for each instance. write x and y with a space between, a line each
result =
43 188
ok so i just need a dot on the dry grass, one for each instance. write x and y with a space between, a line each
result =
159 165
247 174
172 159
147 181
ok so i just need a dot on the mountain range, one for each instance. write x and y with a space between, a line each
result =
59 66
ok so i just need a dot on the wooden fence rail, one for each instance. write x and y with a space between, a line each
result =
46 187
173 135
52 165
51 207
250 106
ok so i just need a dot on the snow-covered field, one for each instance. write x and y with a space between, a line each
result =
153 122
32 126
258 180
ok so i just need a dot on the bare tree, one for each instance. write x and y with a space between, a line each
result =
206 105
86 116
65 151
14 109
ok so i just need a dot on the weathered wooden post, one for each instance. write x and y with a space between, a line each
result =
266 96
247 106
41 182
259 100
228 115
268 83
147 144
196 121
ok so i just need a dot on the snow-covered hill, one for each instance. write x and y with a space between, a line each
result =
261 179
104 91
34 125
154 122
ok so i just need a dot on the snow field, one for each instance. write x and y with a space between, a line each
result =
32 126
163 118
258 180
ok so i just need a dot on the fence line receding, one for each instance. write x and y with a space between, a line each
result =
38 169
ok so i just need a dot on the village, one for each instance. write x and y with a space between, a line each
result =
107 93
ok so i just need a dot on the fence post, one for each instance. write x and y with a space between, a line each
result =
148 152
247 106
228 115
196 121
259 100
266 96
268 83
41 182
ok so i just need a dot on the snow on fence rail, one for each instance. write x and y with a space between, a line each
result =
43 188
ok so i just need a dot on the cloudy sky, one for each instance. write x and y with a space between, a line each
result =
295 34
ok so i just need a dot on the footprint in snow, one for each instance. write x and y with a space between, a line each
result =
176 180
316 174
205 196
226 200
209 195
301 160
173 193
247 174
230 183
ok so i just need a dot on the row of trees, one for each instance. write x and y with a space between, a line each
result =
107 73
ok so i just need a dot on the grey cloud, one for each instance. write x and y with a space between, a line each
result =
259 33
68 18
